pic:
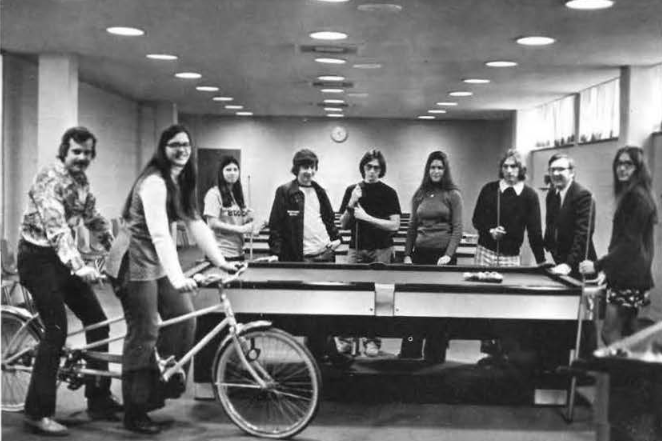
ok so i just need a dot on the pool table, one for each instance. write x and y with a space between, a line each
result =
396 299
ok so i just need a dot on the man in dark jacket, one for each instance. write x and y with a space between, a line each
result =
302 222
302 229
570 218
569 226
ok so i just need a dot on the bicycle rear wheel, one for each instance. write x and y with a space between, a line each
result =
18 335
290 399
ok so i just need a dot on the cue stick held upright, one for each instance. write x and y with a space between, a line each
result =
498 239
580 316
250 249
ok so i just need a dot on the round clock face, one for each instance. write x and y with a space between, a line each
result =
339 134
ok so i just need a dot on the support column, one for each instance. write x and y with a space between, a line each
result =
58 102
638 89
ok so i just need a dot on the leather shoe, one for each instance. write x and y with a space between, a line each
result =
141 424
104 408
46 426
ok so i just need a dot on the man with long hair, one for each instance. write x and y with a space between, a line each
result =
504 210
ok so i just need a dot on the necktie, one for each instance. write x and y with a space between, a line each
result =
554 208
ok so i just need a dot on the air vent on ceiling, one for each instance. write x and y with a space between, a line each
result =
332 104
327 49
334 84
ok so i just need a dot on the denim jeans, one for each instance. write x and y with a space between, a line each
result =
52 286
144 302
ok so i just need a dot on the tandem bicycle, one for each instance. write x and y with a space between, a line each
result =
266 381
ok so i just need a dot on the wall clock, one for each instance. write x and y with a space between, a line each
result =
339 134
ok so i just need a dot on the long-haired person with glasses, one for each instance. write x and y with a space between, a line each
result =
627 264
148 277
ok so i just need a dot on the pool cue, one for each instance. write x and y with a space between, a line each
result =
498 240
250 249
572 392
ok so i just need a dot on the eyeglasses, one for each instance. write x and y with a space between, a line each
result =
510 166
373 167
177 145
558 169
627 164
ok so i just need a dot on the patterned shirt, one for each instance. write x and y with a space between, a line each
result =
58 201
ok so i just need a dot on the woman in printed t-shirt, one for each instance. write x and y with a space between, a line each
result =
226 212
227 215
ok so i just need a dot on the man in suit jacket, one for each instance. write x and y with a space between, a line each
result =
570 219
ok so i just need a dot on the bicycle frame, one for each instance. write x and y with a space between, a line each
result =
229 321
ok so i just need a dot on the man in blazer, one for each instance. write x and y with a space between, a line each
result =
570 219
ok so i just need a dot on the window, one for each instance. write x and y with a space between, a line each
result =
555 123
599 116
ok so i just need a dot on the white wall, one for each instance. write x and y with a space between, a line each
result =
268 145
112 118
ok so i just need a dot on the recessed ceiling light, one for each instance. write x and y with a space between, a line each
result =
326 60
223 98
234 107
461 93
367 66
334 101
379 7
335 115
589 4
476 81
332 90
188 75
328 35
446 103
331 78
333 109
535 40
207 88
436 111
425 117
165 57
501 63
244 113
125 31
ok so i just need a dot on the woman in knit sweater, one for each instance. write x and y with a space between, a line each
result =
435 231
627 264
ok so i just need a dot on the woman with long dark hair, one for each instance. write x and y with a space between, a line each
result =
627 264
434 233
149 279
226 212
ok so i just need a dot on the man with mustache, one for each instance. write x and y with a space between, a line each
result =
302 229
52 269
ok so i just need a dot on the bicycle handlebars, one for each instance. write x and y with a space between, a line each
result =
206 280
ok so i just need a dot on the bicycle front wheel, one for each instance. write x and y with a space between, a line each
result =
289 398
18 337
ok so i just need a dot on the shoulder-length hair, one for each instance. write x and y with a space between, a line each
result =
641 176
227 190
517 156
180 204
370 156
427 184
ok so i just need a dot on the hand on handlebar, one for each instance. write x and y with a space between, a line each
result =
88 274
186 285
